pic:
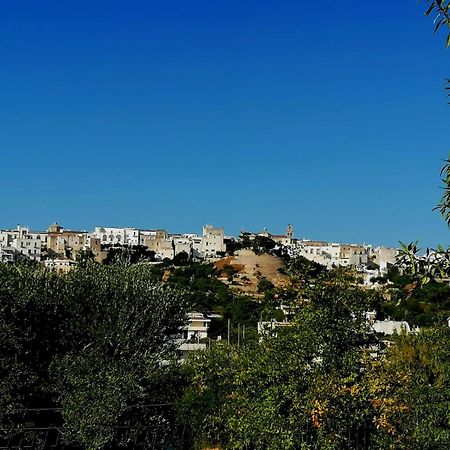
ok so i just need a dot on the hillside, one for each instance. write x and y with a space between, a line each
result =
249 267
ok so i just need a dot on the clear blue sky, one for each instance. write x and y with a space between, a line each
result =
331 116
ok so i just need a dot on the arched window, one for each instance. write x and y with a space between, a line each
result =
105 237
118 237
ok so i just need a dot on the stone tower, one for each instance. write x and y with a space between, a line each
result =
289 233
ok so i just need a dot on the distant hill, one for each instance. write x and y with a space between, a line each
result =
249 267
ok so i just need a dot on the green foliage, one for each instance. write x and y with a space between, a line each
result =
84 257
203 289
444 205
418 293
96 342
181 259
229 271
303 267
264 285
93 342
407 257
129 255
408 299
232 246
441 10
262 244
410 392
236 396
432 265
245 241
267 395
316 385
205 293
32 331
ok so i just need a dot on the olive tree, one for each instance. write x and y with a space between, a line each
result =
94 342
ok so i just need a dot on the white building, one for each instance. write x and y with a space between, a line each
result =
7 254
187 348
325 253
189 243
197 246
181 244
209 245
212 241
384 257
331 254
197 327
195 330
151 238
369 275
353 255
60 265
117 236
389 327
21 242
165 249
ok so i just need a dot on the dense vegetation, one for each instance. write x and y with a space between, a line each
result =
93 342
408 299
319 385
97 346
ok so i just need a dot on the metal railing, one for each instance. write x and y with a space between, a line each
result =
159 427
146 427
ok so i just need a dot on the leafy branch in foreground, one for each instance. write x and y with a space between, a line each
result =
442 10
444 206
435 263
432 265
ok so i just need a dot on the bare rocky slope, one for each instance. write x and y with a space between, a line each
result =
249 267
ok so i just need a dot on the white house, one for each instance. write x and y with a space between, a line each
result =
197 327
117 236
320 252
389 327
21 242
332 254
187 348
182 243
212 241
384 256
60 265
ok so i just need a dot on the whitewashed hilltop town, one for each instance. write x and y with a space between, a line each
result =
59 247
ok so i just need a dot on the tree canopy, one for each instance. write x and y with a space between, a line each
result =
92 342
